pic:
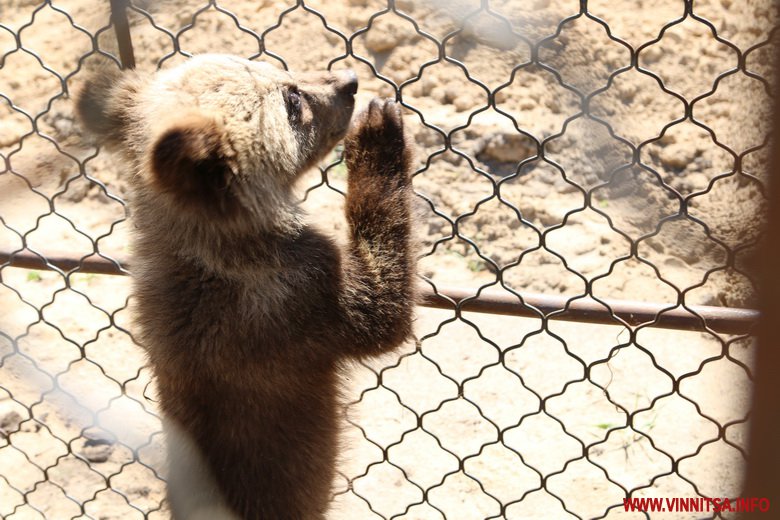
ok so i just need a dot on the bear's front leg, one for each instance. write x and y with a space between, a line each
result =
378 271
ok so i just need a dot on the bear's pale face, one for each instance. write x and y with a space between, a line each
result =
277 122
220 133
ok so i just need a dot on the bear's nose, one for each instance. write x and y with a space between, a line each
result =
346 82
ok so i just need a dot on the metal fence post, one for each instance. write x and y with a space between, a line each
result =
122 30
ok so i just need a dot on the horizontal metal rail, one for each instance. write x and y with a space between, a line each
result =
726 320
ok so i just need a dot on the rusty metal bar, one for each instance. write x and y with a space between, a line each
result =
93 264
725 320
122 30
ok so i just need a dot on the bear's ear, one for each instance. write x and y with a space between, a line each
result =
104 102
190 161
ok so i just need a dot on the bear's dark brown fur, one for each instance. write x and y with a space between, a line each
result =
246 313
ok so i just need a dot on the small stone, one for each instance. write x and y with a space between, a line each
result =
427 83
674 263
439 94
384 37
651 54
97 450
506 147
63 125
10 423
463 103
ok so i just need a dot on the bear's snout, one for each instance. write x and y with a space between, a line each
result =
346 82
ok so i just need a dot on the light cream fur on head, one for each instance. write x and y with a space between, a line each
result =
245 128
246 98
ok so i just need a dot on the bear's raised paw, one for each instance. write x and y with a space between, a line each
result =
376 144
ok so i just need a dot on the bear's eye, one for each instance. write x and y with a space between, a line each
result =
293 103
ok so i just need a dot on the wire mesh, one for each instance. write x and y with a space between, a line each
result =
564 148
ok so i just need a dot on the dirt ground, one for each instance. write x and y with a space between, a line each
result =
547 162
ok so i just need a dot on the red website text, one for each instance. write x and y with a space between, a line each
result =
697 505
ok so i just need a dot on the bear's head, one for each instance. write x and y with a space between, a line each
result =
218 134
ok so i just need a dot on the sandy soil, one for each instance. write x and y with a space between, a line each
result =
482 416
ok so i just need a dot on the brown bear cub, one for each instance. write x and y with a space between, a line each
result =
246 313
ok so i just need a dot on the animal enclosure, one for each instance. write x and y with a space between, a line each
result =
591 181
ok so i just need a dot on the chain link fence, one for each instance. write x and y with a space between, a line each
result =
591 179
